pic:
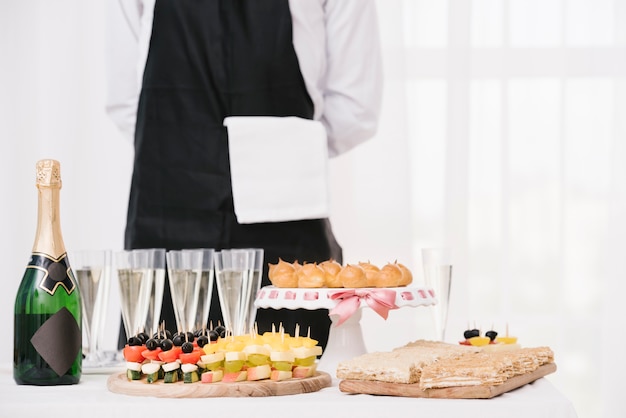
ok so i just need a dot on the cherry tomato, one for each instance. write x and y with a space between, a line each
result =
170 356
191 358
152 354
133 353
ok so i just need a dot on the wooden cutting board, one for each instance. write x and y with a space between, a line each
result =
118 383
469 392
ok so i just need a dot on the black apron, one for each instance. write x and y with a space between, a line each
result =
209 59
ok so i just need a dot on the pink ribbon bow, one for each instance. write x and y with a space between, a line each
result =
380 300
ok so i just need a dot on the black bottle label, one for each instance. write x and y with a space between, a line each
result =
58 341
57 272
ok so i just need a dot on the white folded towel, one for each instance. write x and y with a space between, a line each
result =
279 168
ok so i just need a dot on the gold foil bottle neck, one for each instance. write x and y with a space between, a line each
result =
48 239
48 173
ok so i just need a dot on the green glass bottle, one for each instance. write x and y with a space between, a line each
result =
47 327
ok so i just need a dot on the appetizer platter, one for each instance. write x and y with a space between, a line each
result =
214 364
118 383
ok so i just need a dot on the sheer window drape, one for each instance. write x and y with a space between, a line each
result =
515 133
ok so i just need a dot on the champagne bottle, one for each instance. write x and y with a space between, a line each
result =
47 333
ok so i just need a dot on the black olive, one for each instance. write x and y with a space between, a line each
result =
221 330
143 337
470 333
491 334
200 332
202 341
190 337
166 344
213 335
152 344
187 347
159 335
178 339
134 341
162 334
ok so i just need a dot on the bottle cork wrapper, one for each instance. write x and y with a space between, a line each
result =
48 173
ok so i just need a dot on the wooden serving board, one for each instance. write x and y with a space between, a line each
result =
468 392
119 383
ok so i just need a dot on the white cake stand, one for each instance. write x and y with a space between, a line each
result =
345 341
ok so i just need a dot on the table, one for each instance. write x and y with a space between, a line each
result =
91 398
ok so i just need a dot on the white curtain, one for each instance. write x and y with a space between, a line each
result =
502 136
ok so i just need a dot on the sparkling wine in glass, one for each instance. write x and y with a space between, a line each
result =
156 263
206 289
135 284
185 270
233 287
252 288
92 271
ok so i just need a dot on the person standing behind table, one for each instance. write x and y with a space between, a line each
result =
178 68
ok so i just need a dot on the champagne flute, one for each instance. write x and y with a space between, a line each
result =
92 268
206 289
156 263
438 276
185 269
252 288
135 283
231 275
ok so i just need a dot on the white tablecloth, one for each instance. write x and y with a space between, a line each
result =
91 398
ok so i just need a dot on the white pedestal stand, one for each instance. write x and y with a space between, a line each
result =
344 342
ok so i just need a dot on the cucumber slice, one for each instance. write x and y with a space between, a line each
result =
133 374
171 377
152 377
191 377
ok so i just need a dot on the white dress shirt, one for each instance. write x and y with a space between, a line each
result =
338 50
